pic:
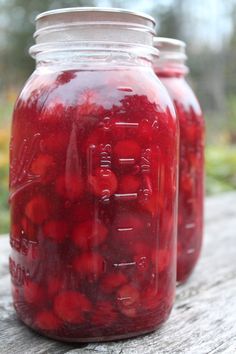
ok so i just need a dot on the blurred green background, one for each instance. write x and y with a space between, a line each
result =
207 26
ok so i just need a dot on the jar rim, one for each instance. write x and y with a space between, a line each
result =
67 10
170 48
98 46
171 43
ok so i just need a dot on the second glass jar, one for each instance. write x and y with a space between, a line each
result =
171 69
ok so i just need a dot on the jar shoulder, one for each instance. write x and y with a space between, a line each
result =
182 93
101 87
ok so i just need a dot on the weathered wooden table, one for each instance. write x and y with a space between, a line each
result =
203 319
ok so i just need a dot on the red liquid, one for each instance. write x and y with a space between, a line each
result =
191 172
93 200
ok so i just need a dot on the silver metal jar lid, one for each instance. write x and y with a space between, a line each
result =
94 24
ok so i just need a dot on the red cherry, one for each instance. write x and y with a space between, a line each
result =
103 182
55 142
89 264
43 166
104 314
70 306
38 209
89 234
70 186
112 281
129 184
33 293
127 149
46 320
56 230
128 300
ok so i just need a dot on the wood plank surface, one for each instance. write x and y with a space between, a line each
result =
203 320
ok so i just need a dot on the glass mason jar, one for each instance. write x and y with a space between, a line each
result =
171 69
93 180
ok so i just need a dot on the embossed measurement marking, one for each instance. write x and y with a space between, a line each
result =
128 161
125 88
105 155
190 225
125 196
190 251
127 124
120 229
124 264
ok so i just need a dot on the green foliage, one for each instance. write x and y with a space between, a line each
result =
4 214
220 169
231 109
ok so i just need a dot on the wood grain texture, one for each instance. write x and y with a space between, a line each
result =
202 321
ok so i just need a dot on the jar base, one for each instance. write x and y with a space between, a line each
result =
101 339
93 339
